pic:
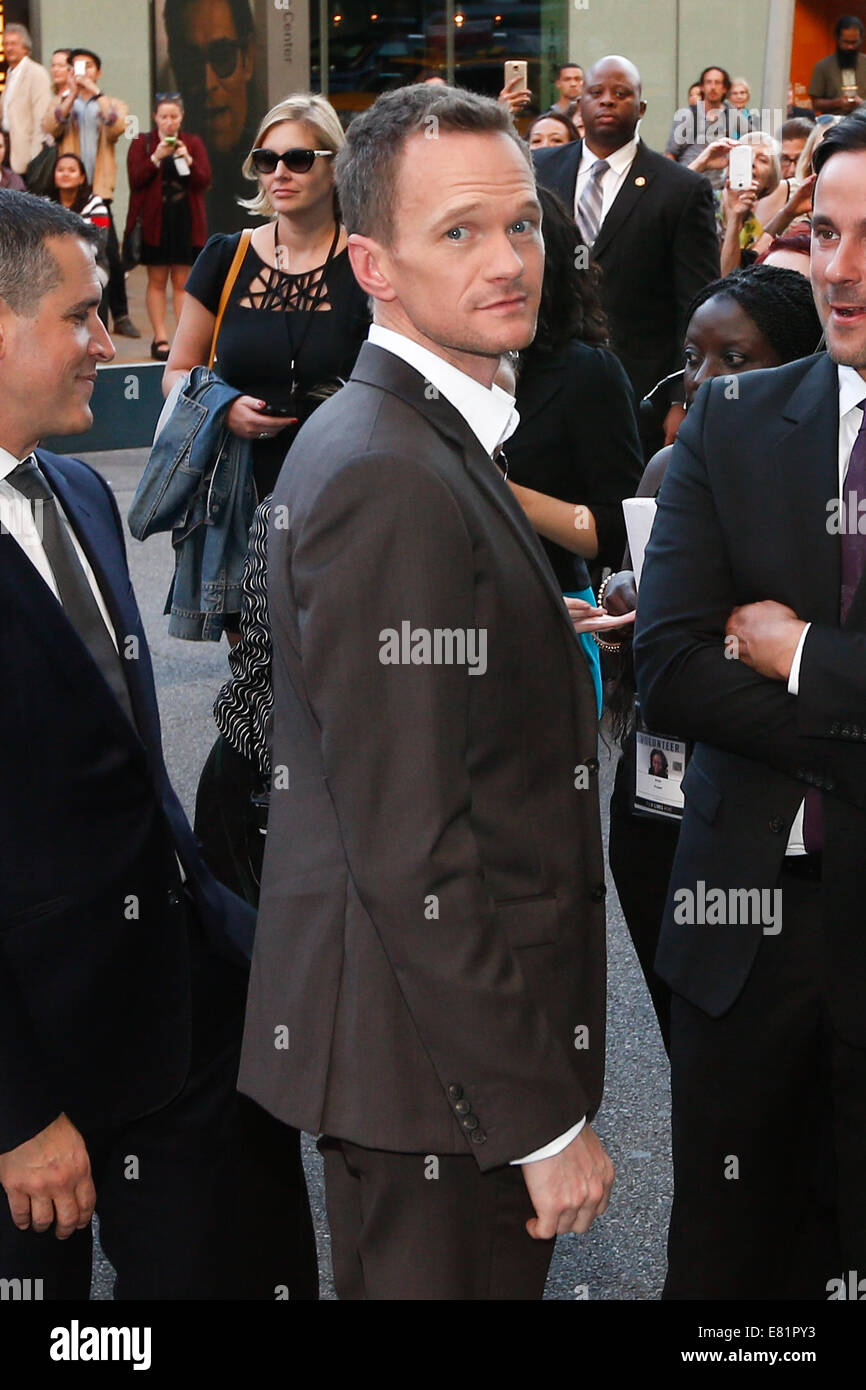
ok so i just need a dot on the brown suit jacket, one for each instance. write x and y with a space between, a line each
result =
430 960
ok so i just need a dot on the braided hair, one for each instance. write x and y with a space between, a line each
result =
778 301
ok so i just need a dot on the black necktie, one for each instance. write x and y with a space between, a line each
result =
76 595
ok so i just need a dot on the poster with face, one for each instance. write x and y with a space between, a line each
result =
216 54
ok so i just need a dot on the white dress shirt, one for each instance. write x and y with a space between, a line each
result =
852 390
612 179
491 416
489 412
16 517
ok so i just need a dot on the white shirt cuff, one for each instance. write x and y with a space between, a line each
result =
554 1147
794 676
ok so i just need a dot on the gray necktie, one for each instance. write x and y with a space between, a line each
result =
76 595
589 206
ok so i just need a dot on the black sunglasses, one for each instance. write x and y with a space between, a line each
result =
299 161
220 54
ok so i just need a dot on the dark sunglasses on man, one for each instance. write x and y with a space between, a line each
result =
297 161
221 55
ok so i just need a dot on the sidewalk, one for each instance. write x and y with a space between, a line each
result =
138 349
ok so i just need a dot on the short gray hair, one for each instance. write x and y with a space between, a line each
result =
23 32
368 164
27 268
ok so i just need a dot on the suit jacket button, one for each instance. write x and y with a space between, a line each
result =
454 1091
469 1122
173 897
777 825
597 894
478 1136
463 1107
592 764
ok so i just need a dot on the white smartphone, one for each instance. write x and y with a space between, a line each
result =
79 67
740 166
516 68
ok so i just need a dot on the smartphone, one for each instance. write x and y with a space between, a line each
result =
79 67
740 166
286 411
516 68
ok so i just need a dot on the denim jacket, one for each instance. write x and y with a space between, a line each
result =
198 484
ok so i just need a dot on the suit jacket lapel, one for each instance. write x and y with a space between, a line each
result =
101 545
807 464
384 369
630 194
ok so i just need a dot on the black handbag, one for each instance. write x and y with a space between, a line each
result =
39 174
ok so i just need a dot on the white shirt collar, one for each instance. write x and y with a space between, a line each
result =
8 462
852 389
490 414
619 161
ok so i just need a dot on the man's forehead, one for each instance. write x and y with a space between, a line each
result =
844 175
460 161
613 72
206 21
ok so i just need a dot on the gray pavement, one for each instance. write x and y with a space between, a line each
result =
622 1257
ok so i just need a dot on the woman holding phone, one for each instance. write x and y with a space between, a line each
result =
296 316
168 173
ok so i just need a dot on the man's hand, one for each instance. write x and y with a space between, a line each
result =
571 1189
767 634
48 1178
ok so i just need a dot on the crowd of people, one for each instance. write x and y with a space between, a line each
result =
404 411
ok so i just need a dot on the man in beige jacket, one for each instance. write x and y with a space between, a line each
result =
25 98
86 122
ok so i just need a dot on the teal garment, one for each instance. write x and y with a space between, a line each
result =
590 647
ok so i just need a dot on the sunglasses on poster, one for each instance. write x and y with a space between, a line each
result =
297 161
221 56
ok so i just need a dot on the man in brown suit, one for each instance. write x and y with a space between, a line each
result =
428 983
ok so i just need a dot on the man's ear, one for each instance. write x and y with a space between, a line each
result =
642 109
369 261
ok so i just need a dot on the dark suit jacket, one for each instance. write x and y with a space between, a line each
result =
657 247
431 929
742 516
578 440
94 955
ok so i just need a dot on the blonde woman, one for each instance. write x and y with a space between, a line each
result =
296 317
747 210
792 215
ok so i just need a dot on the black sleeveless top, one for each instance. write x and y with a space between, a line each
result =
269 322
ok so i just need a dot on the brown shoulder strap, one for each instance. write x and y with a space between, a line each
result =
243 243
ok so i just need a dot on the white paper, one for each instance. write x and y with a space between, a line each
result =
639 513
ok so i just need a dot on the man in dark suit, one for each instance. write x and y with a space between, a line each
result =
121 959
751 639
428 984
648 223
